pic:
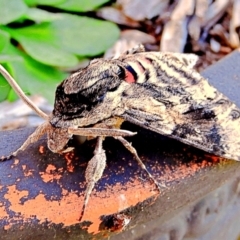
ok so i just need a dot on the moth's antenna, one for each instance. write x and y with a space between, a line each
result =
21 94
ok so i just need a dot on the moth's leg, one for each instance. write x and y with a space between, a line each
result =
95 132
94 172
39 132
109 128
130 148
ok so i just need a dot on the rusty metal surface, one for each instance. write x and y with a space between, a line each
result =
41 193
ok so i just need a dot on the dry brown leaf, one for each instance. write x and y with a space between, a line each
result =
140 9
137 35
220 32
215 12
175 32
234 25
195 23
215 45
117 16
121 46
128 40
183 9
201 8
194 28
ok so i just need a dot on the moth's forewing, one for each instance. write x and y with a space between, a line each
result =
176 101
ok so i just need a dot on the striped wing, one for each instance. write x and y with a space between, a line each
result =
172 99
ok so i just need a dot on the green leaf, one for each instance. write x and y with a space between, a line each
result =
43 2
39 15
4 58
37 43
84 36
12 96
4 39
81 6
34 77
57 42
4 88
11 10
48 54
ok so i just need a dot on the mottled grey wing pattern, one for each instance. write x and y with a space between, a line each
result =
173 100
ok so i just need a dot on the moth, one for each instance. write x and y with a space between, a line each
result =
157 91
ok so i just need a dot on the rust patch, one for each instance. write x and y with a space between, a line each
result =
7 227
14 195
66 211
51 173
27 172
115 199
63 211
41 149
69 158
50 168
184 170
3 213
16 161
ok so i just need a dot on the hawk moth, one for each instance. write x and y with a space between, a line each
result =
157 91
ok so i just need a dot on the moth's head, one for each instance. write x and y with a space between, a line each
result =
58 139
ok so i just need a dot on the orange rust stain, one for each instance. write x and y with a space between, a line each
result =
16 161
50 168
14 195
63 211
204 164
116 199
109 201
6 227
213 158
41 149
27 172
3 213
69 158
182 171
51 173
67 210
